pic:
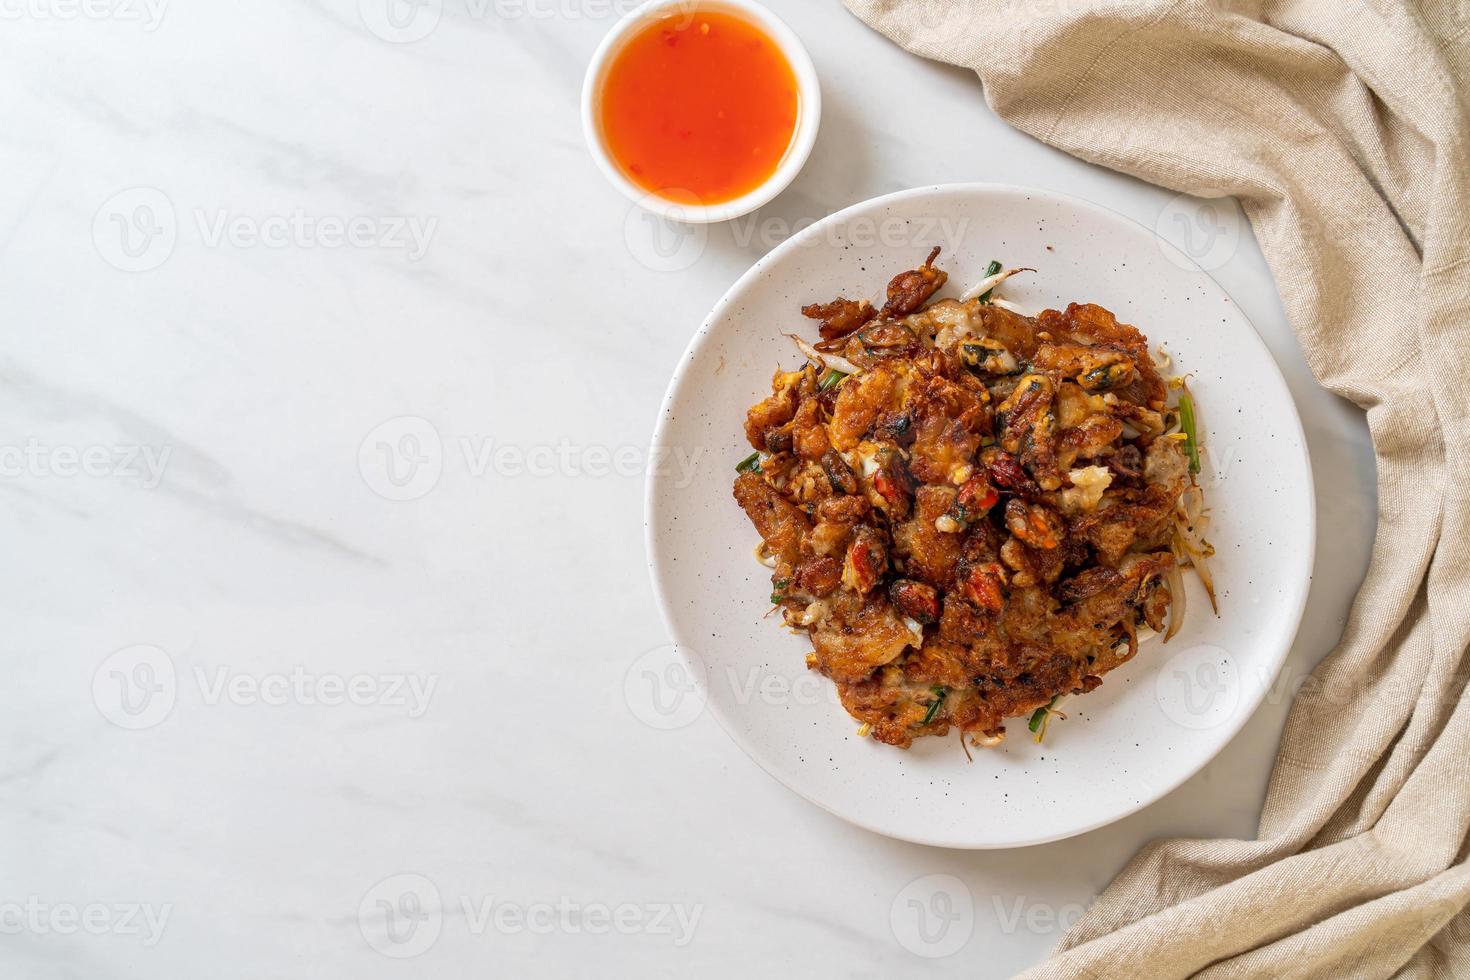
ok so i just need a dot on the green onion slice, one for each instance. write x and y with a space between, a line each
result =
1186 422
833 379
990 270
750 464
1038 717
940 694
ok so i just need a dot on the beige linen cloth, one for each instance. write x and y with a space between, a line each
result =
1342 127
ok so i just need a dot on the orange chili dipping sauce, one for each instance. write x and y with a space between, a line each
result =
699 107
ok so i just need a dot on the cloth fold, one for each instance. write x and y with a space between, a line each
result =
1341 126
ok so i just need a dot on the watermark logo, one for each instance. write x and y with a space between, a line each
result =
136 687
1198 687
933 916
136 229
402 459
401 916
660 689
1203 231
658 236
401 21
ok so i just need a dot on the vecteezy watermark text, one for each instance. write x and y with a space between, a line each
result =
138 686
406 21
148 13
302 687
137 229
403 915
659 240
404 458
41 918
144 464
410 234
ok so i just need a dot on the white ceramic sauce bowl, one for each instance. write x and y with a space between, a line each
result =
809 109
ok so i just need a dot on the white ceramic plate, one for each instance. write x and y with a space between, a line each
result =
1156 720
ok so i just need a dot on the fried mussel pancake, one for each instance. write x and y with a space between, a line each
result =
978 519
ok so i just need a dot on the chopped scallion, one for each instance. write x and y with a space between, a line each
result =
990 270
833 379
750 464
940 694
1191 437
1039 715
1042 716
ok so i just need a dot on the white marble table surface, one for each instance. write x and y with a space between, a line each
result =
252 700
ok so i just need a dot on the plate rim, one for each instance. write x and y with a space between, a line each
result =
1302 575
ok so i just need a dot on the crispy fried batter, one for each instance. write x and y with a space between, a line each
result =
979 520
928 553
1095 326
839 317
860 401
910 290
